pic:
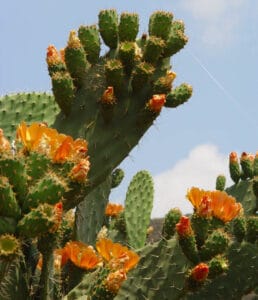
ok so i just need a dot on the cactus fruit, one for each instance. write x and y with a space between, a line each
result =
170 221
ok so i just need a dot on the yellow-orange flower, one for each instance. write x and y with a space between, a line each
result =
80 254
53 56
117 256
113 209
224 207
216 203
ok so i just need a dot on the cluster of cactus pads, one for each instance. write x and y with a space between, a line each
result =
102 106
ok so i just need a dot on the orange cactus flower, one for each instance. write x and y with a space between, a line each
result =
80 148
114 280
30 136
113 209
61 154
80 171
224 207
200 272
108 96
183 227
156 103
80 254
117 256
4 143
205 209
196 195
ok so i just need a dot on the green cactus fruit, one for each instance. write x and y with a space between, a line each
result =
179 95
49 189
170 221
138 207
9 246
117 177
246 163
108 27
141 74
39 221
154 277
7 225
75 59
220 183
163 84
89 37
234 167
252 229
175 42
30 107
216 243
63 90
160 24
114 74
239 228
188 245
255 189
128 27
217 266
8 203
127 55
153 49
119 224
200 226
14 170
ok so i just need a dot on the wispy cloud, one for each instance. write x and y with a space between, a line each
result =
200 168
218 19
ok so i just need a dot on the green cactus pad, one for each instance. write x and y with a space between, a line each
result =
127 55
36 165
14 170
30 107
243 192
38 221
234 170
154 277
138 207
252 229
217 266
8 204
49 189
7 225
108 27
89 37
175 42
128 27
142 73
160 24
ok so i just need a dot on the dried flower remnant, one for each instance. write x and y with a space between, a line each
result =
108 96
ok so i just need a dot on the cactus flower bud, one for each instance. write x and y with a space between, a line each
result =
73 41
156 103
247 162
53 56
200 272
114 280
184 228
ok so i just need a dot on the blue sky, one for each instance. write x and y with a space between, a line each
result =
189 145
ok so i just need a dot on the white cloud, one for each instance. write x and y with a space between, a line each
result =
218 19
201 168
